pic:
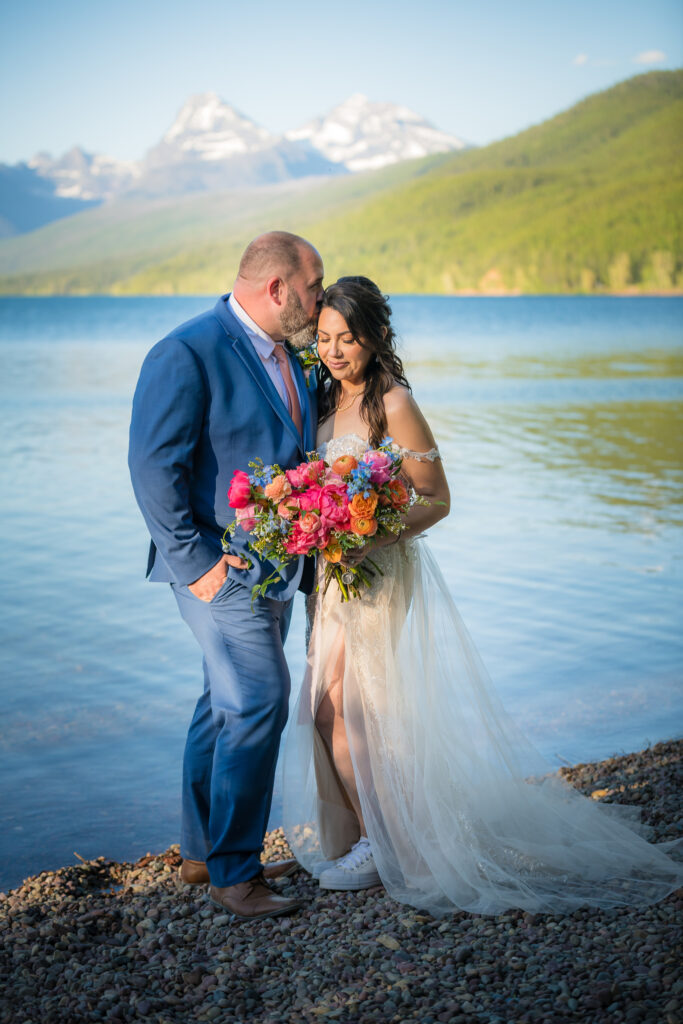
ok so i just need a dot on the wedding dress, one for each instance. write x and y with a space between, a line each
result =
461 811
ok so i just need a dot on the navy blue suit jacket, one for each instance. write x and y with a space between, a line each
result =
205 406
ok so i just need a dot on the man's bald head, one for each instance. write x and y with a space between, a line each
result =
280 286
276 253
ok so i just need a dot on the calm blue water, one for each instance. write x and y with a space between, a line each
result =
557 418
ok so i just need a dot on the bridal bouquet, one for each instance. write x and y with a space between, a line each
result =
320 509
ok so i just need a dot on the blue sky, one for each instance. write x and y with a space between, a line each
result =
111 77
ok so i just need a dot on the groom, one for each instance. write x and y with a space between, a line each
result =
214 394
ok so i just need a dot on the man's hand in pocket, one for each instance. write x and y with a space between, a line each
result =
208 585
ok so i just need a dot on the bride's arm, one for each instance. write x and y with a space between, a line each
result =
409 429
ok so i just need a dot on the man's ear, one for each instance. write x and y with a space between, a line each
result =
275 288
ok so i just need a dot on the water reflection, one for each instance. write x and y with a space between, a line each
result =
623 460
565 366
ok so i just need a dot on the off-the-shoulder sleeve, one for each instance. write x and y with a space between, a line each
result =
431 456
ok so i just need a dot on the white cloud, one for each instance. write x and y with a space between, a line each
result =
649 57
581 58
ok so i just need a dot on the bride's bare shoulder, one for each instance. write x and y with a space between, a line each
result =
405 422
397 400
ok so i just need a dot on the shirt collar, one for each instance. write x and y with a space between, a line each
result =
262 342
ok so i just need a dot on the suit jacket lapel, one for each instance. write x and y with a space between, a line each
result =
302 384
245 350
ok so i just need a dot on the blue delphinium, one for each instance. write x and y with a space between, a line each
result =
262 476
387 447
360 482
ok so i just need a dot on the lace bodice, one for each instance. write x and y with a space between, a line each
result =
354 444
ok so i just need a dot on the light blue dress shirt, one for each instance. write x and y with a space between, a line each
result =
265 349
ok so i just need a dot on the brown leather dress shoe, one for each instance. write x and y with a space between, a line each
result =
252 900
280 869
195 872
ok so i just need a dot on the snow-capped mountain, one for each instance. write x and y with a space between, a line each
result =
81 175
206 128
364 136
211 146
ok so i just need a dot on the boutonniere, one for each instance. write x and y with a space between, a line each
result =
307 358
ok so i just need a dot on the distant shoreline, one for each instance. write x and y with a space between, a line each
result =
465 293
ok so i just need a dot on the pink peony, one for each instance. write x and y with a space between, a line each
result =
246 516
310 499
381 465
312 471
298 542
333 478
278 488
295 476
239 492
333 504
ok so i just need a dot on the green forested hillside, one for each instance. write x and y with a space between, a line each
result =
590 200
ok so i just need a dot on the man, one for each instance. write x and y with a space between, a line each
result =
215 393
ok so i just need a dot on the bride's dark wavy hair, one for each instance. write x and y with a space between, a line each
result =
368 315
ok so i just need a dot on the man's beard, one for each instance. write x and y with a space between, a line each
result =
297 328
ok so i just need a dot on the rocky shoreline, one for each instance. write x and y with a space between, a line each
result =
102 941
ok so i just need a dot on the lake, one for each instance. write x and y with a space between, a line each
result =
559 424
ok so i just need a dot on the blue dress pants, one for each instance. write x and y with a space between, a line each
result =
234 737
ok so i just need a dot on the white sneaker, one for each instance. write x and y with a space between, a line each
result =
320 866
354 871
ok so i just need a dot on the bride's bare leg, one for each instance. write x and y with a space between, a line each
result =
329 721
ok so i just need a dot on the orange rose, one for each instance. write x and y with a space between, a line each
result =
309 522
278 488
360 506
344 464
288 508
399 493
333 552
363 526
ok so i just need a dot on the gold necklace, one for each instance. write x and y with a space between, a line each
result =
343 408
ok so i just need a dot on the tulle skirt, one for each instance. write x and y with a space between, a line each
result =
461 810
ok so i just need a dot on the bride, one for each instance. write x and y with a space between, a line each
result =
400 764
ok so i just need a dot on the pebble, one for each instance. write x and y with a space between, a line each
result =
128 943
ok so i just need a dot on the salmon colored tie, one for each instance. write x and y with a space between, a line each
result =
294 408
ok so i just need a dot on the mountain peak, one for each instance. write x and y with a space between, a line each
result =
365 135
210 129
78 174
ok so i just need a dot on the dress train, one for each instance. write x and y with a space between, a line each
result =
461 810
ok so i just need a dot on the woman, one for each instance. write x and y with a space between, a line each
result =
401 765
